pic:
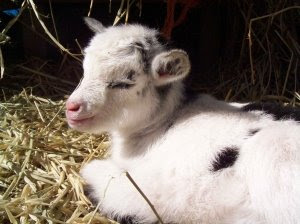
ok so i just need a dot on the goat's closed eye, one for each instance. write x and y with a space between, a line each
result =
120 85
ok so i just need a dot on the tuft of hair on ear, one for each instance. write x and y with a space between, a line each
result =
95 25
170 66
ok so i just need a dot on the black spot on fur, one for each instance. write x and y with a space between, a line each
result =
253 131
279 112
163 91
226 158
126 220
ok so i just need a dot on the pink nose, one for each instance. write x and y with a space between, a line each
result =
72 106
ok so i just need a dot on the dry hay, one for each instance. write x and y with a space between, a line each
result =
40 158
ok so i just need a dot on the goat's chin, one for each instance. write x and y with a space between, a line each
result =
92 126
82 126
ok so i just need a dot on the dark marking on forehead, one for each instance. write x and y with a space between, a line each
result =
130 50
138 45
145 60
276 110
226 158
145 55
131 75
147 49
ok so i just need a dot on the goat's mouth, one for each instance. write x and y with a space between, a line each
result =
79 121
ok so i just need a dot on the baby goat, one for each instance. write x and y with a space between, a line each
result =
198 160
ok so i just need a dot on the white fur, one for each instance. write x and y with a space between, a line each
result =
168 147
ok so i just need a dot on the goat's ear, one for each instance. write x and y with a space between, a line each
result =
170 66
94 25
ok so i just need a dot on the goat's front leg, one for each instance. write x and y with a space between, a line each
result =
118 198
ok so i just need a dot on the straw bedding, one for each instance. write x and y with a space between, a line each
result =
40 158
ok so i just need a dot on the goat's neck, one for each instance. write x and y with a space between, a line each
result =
133 143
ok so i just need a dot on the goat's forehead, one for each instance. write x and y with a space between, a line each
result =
97 66
121 37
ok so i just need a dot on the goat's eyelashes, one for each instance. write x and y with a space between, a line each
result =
119 85
125 83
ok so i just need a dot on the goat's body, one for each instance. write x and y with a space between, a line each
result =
176 170
198 161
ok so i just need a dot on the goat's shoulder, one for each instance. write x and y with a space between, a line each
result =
203 105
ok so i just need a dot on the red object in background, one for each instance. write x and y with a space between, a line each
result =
170 22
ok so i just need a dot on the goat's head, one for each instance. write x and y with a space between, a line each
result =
126 74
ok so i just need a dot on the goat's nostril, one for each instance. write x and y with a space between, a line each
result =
71 106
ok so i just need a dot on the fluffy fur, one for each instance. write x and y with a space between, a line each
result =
198 161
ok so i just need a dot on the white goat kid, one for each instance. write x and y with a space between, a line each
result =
198 160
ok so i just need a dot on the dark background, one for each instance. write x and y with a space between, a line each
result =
214 34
